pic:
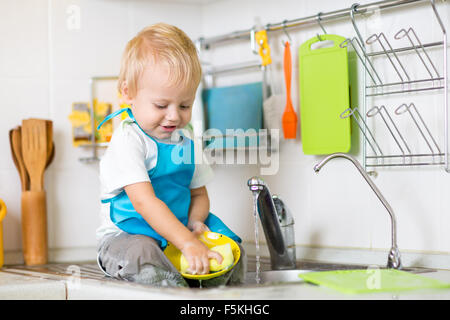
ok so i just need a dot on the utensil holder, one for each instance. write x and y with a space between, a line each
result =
34 227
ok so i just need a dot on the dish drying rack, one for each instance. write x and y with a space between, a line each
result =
374 156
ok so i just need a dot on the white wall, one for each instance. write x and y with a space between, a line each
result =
44 67
336 208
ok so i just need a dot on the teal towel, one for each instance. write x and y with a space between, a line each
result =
234 107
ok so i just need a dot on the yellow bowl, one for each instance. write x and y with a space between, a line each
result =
2 215
211 239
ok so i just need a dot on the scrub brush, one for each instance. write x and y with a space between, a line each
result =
289 119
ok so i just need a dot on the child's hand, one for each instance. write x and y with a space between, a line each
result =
197 255
197 227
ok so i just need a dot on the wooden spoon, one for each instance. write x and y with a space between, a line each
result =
34 149
50 143
12 150
49 136
15 137
51 156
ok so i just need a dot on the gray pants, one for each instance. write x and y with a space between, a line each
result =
138 258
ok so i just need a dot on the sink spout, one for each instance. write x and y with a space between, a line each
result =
394 253
277 223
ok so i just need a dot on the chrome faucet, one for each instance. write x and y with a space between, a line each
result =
277 223
394 253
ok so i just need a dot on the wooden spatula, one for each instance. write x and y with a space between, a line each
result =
34 151
50 143
15 138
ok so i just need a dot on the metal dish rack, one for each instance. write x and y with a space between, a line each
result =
375 85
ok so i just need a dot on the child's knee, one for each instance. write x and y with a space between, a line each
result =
125 255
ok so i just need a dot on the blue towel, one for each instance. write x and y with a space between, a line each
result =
234 107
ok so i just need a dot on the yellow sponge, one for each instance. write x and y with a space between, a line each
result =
183 264
227 254
225 251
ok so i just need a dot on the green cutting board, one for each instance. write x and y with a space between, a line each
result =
324 95
372 280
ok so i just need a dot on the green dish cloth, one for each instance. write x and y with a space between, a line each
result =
372 280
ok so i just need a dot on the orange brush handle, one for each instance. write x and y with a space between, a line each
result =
287 71
289 119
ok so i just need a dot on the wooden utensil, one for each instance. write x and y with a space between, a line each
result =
51 156
13 154
15 137
12 149
50 143
34 148
38 152
49 136
34 227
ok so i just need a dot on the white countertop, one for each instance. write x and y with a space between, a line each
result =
15 284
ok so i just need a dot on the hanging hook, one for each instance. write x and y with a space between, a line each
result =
253 40
286 33
321 26
353 10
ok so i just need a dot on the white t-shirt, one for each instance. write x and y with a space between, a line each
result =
129 157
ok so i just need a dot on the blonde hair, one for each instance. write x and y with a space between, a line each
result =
162 42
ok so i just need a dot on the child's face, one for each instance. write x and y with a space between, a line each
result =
158 106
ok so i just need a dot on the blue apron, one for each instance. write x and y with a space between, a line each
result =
170 180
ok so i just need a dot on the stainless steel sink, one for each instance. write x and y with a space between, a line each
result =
269 277
275 276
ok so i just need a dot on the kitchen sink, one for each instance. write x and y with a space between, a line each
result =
272 277
267 276
275 276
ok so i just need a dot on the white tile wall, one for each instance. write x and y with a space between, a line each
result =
24 39
93 49
44 67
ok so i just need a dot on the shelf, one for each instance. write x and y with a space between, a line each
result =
406 160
